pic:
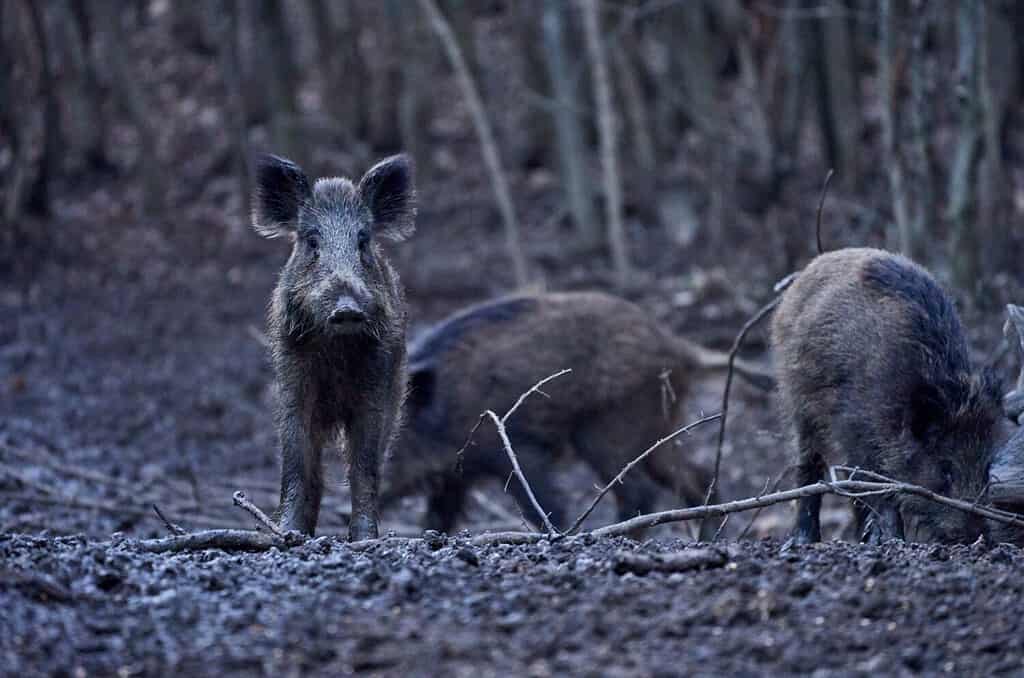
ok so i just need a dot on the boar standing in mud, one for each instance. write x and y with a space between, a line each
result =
624 393
336 328
874 372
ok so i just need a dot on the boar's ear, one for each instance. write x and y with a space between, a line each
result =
421 386
927 411
281 187
388 191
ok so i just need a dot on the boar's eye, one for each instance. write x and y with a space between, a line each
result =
363 239
313 241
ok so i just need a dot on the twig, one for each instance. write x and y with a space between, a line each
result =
618 478
533 389
718 532
175 529
262 518
821 205
736 345
503 434
757 513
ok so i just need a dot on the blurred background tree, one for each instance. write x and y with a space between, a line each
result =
703 125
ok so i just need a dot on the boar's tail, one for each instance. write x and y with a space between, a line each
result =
703 358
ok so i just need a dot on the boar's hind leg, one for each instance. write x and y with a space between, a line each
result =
445 503
536 465
810 469
607 443
302 482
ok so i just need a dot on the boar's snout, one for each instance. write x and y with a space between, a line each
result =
348 314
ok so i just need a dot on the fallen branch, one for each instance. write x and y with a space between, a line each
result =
855 487
618 478
174 528
249 540
261 517
227 540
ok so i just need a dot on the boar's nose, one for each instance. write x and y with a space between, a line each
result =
347 312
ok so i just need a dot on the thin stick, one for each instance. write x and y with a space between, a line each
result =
618 479
503 434
533 389
821 205
757 513
175 529
856 486
736 344
718 532
261 517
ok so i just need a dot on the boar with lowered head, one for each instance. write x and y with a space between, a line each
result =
628 381
336 328
874 372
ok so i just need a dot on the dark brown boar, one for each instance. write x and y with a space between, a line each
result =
628 381
336 328
874 372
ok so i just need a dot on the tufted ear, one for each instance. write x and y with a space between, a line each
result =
388 190
281 188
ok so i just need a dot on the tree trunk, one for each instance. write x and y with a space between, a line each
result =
838 101
131 100
902 236
608 133
965 241
276 76
568 127
227 28
513 235
38 200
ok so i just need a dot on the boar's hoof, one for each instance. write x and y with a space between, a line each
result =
362 527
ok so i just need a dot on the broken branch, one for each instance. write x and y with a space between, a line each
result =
618 478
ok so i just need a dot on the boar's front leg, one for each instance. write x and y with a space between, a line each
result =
369 436
302 480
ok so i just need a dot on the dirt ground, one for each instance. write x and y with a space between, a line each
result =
78 607
133 374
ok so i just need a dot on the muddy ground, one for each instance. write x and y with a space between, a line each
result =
133 374
78 607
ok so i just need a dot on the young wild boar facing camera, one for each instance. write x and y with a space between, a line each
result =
336 328
874 372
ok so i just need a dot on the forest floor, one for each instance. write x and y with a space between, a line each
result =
133 374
